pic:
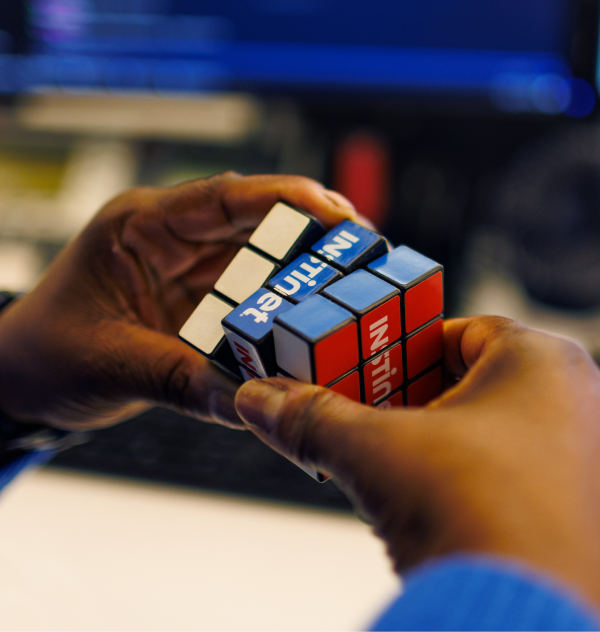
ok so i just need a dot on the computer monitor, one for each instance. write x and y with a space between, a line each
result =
513 55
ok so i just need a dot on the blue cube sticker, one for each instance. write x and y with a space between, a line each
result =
304 277
403 266
254 317
315 317
346 243
360 290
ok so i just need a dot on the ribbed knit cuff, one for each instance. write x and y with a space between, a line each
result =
483 593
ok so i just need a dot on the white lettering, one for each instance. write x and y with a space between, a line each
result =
349 236
295 286
378 323
302 278
377 339
312 272
269 302
386 387
384 367
259 316
384 377
333 250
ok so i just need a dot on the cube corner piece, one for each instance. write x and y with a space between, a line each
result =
421 281
203 332
285 232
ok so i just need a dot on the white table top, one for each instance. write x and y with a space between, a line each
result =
80 552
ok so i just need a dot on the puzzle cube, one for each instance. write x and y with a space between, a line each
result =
203 332
304 277
316 341
349 246
349 385
420 281
376 305
383 374
247 374
425 388
424 348
345 313
395 400
247 272
285 232
249 331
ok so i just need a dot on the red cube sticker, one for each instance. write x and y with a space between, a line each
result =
383 374
426 388
337 354
393 401
380 327
423 302
348 386
424 349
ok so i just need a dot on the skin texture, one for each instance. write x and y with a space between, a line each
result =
96 341
506 462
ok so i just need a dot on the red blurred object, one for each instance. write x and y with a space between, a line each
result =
361 172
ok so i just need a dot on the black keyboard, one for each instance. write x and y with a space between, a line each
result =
165 447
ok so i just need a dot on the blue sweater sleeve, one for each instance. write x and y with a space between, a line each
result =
29 459
479 593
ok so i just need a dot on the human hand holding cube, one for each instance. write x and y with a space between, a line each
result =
337 309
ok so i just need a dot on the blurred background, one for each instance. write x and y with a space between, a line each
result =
467 130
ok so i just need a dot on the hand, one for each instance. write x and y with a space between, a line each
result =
507 462
96 341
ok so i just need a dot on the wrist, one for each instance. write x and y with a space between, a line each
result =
17 437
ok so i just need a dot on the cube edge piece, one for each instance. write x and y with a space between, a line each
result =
404 287
297 278
270 245
309 344
263 347
236 268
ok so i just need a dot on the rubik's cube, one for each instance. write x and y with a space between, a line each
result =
339 309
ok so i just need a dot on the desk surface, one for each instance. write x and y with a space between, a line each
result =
91 553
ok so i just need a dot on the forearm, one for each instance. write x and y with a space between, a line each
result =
25 445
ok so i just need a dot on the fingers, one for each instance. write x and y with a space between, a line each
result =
466 339
312 425
167 372
218 207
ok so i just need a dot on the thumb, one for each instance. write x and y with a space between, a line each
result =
311 425
377 458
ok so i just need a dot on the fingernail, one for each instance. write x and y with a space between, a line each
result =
260 404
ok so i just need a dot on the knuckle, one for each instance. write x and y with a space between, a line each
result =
217 180
176 383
